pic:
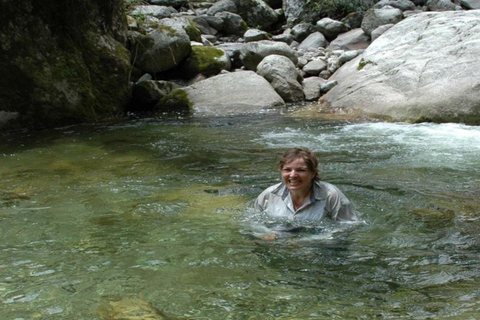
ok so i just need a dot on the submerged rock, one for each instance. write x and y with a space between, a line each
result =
129 309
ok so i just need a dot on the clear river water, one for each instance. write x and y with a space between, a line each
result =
152 217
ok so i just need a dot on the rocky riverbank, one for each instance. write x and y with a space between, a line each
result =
231 68
399 59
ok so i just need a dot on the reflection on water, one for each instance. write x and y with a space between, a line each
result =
152 217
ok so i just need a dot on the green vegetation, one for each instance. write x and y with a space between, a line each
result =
193 32
204 55
204 60
177 100
244 25
168 30
363 63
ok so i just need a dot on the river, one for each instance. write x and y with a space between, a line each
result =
156 213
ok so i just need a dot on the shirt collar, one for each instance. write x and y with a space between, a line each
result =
317 194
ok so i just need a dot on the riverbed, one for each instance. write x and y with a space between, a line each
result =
158 210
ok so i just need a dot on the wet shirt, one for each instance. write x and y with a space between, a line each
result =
326 200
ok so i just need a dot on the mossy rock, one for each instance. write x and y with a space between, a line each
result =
205 60
232 23
146 94
186 24
161 50
256 14
65 53
175 101
193 32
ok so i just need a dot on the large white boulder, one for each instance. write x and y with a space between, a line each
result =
425 68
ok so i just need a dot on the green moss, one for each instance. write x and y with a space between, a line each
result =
68 67
169 31
244 25
205 56
203 60
363 63
176 100
193 32
139 18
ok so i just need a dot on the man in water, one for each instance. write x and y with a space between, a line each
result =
302 195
